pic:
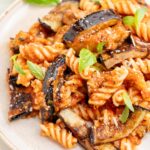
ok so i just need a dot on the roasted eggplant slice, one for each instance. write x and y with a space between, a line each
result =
96 20
20 105
75 123
51 75
112 58
109 133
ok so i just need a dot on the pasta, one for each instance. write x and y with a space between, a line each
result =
39 53
86 112
125 7
112 81
82 71
60 135
89 5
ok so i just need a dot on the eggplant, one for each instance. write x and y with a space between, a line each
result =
79 127
20 102
112 58
96 20
108 133
53 21
20 105
57 68
46 113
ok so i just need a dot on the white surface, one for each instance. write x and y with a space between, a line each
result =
24 134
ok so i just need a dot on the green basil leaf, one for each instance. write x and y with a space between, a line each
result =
86 59
128 102
139 15
125 114
100 47
42 2
129 20
16 65
36 70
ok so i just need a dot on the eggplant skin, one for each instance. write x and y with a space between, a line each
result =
89 21
20 105
110 133
51 75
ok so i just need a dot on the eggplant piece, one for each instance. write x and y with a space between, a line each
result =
96 20
109 133
50 77
79 127
20 105
47 113
112 58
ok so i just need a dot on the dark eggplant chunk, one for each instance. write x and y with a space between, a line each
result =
108 133
46 113
112 58
20 105
50 77
94 19
79 127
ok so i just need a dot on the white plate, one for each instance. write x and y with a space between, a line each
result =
23 134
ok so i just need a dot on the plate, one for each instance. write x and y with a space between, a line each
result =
24 134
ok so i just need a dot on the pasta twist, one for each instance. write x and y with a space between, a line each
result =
87 113
111 82
39 53
89 5
125 7
134 95
62 136
73 63
142 65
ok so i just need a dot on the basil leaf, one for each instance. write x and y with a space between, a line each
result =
129 20
36 70
125 114
139 15
86 59
17 66
42 2
127 101
100 47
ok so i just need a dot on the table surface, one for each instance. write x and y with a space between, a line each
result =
3 5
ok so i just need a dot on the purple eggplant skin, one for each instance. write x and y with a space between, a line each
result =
88 22
20 101
50 76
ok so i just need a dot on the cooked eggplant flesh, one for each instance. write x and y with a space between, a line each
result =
92 37
109 133
95 19
75 123
50 76
112 58
20 105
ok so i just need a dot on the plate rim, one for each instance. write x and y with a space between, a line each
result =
11 6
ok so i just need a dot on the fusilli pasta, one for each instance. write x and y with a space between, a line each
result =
62 136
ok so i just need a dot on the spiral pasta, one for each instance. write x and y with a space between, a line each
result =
126 144
125 7
142 65
89 5
62 136
87 113
112 81
38 53
73 63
